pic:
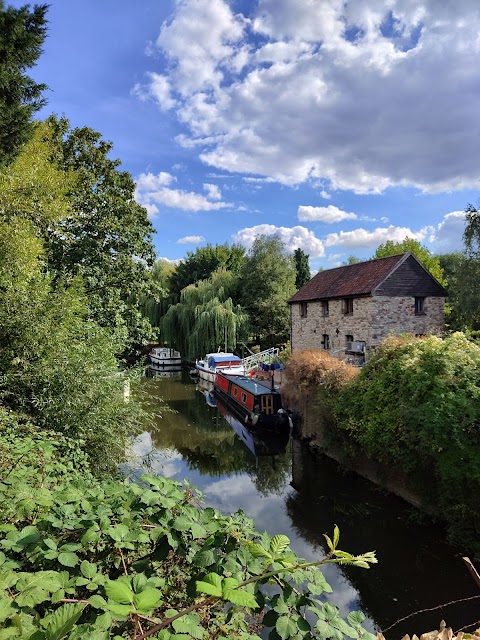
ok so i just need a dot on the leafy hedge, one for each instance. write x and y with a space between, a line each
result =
416 404
84 559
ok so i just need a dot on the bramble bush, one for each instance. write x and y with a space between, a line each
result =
416 404
85 559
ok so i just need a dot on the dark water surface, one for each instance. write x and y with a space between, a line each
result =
303 495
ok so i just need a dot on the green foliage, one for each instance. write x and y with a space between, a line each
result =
471 235
104 560
429 261
416 404
462 273
155 305
204 317
302 268
268 281
107 239
23 33
200 265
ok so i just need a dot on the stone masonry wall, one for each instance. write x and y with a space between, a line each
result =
373 319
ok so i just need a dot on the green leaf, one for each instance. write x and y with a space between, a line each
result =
59 623
148 599
211 585
98 602
355 618
6 609
258 551
336 536
119 591
88 569
278 544
240 598
286 627
204 558
68 558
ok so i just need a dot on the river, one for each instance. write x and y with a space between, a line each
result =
303 494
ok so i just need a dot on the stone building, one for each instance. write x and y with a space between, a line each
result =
350 309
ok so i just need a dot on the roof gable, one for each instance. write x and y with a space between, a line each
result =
366 278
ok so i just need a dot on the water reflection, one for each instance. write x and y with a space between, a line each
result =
235 469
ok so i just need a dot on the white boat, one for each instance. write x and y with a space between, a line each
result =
165 358
224 362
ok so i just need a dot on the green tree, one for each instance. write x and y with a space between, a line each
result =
429 261
205 318
56 365
22 35
268 281
155 305
200 264
108 238
302 268
471 235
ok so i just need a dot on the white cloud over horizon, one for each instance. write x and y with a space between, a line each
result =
328 215
191 240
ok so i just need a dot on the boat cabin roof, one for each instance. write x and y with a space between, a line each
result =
223 357
243 382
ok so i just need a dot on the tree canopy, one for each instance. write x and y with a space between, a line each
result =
107 237
268 281
200 264
23 32
429 261
302 268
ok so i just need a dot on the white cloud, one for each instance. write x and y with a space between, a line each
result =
186 200
448 236
325 195
361 95
152 190
363 239
293 238
213 191
150 181
190 240
327 215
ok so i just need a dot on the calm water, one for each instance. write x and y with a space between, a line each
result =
303 495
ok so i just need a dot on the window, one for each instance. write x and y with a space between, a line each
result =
348 306
326 341
235 391
303 309
324 308
420 306
244 397
348 340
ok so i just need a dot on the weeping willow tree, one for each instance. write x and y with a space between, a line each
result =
205 318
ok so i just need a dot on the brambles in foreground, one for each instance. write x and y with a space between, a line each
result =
115 559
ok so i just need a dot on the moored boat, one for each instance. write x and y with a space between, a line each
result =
227 363
255 404
165 358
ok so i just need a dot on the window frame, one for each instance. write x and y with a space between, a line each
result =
303 309
419 305
325 308
347 304
326 341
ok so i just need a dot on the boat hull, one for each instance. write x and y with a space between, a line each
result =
254 404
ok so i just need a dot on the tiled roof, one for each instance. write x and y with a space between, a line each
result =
352 280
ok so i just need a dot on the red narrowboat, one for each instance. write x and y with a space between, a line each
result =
255 404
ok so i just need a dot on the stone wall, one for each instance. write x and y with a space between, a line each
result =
373 319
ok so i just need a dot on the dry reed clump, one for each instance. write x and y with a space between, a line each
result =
309 370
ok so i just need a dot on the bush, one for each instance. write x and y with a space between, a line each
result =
83 559
416 404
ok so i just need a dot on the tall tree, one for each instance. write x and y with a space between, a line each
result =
205 318
268 281
200 264
22 35
471 235
430 261
302 268
462 273
108 238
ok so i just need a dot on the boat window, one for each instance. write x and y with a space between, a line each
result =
235 391
244 397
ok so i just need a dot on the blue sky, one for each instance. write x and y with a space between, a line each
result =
337 125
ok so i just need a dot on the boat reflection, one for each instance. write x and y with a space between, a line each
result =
258 441
157 371
206 389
